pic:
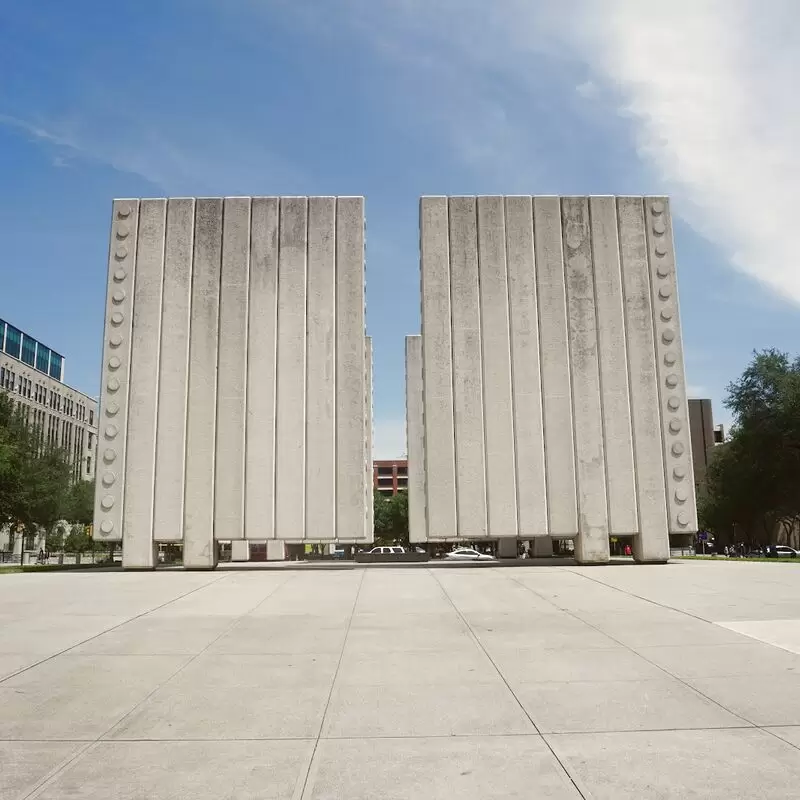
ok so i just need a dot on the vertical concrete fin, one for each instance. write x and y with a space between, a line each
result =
439 445
259 512
467 369
350 369
501 495
140 460
615 399
559 448
592 542
291 370
681 502
320 496
369 517
652 541
415 441
229 480
114 406
525 376
199 549
173 372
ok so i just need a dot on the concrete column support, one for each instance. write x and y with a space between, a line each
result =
507 548
276 551
542 547
240 550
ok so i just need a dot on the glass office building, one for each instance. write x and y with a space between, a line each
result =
19 345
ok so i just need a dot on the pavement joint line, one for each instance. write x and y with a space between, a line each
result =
530 734
568 772
113 628
333 685
630 594
48 779
635 652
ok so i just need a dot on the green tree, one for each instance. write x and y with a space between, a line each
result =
752 479
80 502
78 540
34 476
391 518
54 542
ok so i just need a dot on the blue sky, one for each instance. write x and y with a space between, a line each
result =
393 99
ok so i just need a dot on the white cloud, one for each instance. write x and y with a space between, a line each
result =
707 87
710 87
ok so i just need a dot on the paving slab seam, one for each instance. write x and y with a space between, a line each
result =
48 779
330 693
750 723
574 779
631 594
113 628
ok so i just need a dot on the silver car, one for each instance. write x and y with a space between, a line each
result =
467 554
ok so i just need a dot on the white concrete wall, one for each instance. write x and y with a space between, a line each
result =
468 401
109 492
229 479
140 458
552 398
592 541
531 488
681 502
351 394
173 378
415 440
259 520
249 404
437 359
199 550
320 500
498 433
643 383
559 434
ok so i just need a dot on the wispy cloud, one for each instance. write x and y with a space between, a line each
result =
705 89
709 87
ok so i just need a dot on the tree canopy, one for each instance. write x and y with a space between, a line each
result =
36 487
391 518
753 480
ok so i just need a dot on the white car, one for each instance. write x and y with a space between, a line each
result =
467 554
782 551
387 550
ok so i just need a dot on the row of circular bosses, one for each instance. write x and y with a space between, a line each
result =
115 340
666 314
118 297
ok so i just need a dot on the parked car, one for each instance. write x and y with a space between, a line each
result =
782 551
386 550
467 554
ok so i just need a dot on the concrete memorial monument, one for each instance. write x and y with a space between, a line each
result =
546 395
236 399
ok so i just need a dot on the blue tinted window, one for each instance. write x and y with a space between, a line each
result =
13 341
43 358
28 350
2 334
56 362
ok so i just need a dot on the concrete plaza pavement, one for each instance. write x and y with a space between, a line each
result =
614 682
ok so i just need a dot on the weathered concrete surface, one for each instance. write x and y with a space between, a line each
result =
406 682
553 394
237 376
